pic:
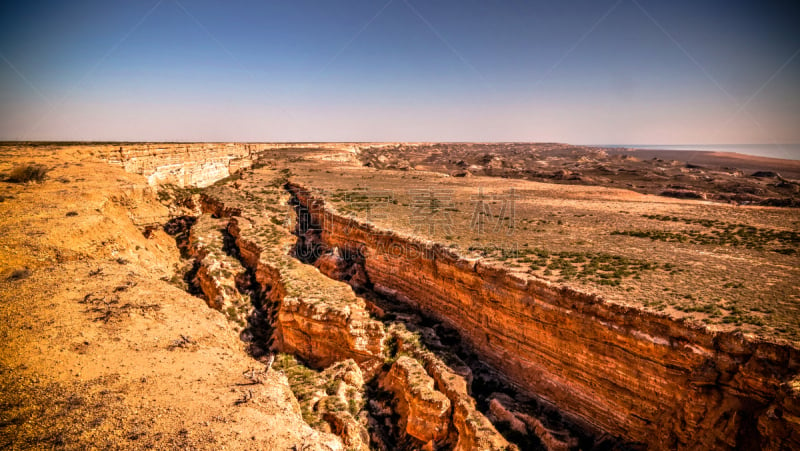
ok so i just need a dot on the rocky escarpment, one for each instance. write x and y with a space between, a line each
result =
183 165
244 270
217 271
685 174
642 377
331 399
468 427
243 267
319 320
424 411
324 323
100 350
202 164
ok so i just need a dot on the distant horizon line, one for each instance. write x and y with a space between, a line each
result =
628 145
698 144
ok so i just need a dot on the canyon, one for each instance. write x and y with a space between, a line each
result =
636 375
386 339
324 322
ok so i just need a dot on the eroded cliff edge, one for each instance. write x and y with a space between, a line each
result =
183 165
101 349
320 320
638 375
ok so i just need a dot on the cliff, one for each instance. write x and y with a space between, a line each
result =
101 348
323 322
217 271
640 376
320 320
423 410
469 428
183 165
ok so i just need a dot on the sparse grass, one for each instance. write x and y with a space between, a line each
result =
580 251
231 178
601 268
109 308
720 233
51 415
184 341
173 194
316 391
361 200
279 181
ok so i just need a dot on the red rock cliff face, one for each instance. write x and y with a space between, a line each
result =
639 376
320 320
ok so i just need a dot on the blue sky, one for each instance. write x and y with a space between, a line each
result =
590 71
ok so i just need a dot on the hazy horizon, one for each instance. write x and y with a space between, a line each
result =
789 151
580 72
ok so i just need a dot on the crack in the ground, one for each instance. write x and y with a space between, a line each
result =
438 338
446 343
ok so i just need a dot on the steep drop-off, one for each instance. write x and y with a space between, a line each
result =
317 319
324 323
183 165
640 376
101 349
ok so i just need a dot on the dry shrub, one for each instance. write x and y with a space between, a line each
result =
27 173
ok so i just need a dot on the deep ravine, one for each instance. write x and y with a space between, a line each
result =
489 348
486 386
492 397
459 354
639 375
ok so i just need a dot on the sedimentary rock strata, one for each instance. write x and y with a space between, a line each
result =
313 317
637 375
424 411
612 370
183 165
323 322
470 429
217 271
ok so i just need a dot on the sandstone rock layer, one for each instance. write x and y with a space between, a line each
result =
183 165
424 410
639 376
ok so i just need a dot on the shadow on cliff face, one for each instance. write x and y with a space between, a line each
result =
500 401
259 330
495 399
185 275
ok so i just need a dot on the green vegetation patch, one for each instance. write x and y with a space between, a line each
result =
317 391
598 267
305 383
172 194
720 233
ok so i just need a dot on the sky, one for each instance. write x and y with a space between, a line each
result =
576 71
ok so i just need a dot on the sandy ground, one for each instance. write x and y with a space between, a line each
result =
98 351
